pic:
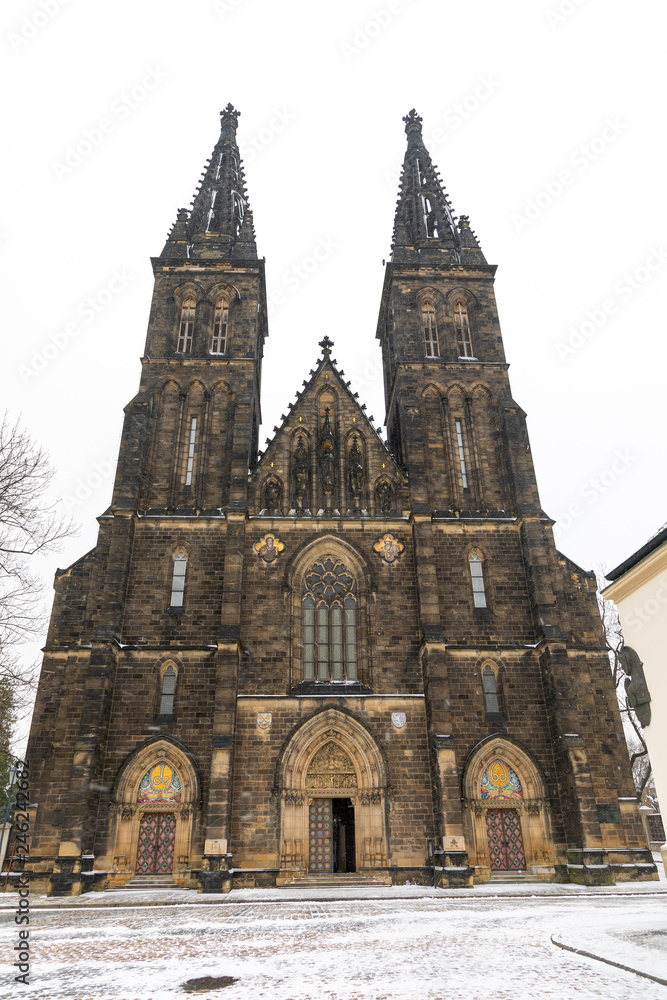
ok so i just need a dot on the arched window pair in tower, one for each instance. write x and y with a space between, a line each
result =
461 328
217 341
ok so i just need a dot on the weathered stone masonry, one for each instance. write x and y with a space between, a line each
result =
378 631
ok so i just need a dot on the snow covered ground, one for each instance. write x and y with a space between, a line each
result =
415 944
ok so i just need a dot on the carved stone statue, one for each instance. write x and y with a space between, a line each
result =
327 458
300 469
636 688
355 470
272 495
383 495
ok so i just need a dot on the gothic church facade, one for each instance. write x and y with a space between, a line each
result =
338 655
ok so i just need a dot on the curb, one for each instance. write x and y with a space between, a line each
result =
607 961
132 904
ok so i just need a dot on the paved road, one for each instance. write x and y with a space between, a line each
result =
421 949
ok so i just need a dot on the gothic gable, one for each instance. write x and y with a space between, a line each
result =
326 455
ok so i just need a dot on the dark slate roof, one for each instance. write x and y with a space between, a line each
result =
653 543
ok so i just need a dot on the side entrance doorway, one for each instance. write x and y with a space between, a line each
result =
331 846
503 828
155 850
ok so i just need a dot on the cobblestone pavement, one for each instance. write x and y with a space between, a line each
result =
404 949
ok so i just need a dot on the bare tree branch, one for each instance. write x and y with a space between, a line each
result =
29 526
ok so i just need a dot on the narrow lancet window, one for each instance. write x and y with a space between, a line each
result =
431 346
186 327
168 691
491 699
178 580
462 454
191 452
477 577
219 336
463 334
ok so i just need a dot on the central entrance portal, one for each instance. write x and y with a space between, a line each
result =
343 836
332 782
331 839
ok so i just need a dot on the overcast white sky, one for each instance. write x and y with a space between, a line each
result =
545 117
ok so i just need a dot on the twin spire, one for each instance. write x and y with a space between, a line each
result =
219 224
425 230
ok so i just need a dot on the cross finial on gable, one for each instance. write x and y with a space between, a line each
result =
326 344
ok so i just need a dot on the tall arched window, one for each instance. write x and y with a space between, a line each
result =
477 577
219 334
329 622
186 326
463 334
429 326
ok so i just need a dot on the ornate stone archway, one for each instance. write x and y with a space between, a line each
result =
133 799
332 756
523 793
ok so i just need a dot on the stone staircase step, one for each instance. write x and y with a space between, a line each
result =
146 882
333 880
513 877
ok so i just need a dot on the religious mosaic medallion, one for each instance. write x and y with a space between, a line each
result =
500 781
269 547
264 720
160 784
388 548
398 719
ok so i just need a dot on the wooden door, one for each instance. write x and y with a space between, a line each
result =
155 851
503 829
320 836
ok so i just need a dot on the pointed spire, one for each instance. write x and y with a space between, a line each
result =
220 223
424 226
176 246
471 252
245 247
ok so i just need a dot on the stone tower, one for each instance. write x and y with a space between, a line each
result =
339 655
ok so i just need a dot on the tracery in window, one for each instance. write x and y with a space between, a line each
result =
219 335
186 326
463 334
429 326
329 622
